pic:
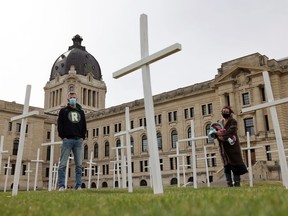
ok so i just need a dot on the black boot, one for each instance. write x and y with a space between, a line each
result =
229 179
237 180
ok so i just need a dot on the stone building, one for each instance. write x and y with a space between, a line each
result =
238 83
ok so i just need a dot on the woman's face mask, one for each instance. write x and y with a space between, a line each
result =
226 113
72 101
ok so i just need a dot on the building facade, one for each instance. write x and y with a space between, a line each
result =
238 83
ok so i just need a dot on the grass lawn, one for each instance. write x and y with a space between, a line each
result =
265 198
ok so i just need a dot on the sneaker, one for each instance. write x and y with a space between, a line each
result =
62 189
79 188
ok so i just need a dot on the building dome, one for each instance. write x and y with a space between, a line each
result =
77 56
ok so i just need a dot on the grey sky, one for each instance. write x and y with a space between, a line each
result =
35 32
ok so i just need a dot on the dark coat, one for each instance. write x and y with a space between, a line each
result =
230 154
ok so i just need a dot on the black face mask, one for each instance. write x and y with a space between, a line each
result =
226 115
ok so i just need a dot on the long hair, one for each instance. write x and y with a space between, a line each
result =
229 108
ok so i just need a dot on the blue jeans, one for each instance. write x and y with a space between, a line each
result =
76 146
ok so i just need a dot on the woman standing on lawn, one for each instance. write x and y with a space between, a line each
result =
231 155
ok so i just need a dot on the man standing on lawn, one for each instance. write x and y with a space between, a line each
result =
72 130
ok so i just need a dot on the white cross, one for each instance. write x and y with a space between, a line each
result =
128 145
98 176
90 169
1 151
23 118
248 148
67 171
52 143
28 177
55 175
116 162
8 167
178 155
37 164
279 141
193 139
144 63
206 164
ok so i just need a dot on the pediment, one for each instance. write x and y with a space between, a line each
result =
237 74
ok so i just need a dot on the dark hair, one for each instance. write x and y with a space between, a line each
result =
229 108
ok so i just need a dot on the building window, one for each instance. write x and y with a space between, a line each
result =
161 164
144 144
189 136
227 99
24 169
159 141
245 98
171 163
96 150
85 152
209 139
249 126
169 116
132 145
48 135
174 138
159 119
266 122
210 109
15 147
191 112
132 124
263 96
10 126
140 122
268 154
106 149
48 153
213 155
188 159
204 111
186 114
18 127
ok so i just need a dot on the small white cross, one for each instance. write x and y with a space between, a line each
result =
8 167
90 169
28 176
37 164
52 144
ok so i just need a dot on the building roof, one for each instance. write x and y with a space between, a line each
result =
76 55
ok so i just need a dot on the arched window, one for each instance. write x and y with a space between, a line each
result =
173 181
85 152
143 182
132 144
15 146
159 140
118 144
174 138
144 144
104 185
207 129
96 150
189 136
106 149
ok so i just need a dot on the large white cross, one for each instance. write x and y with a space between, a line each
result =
37 165
8 167
2 151
128 145
279 141
52 143
98 176
144 63
248 148
23 118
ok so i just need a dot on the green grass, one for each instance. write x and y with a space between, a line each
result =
265 198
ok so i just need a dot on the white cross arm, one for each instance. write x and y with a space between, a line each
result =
193 139
35 112
6 151
265 105
122 133
53 143
37 161
91 163
275 151
206 157
177 155
248 148
148 60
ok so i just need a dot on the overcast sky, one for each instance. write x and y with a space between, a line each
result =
34 33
